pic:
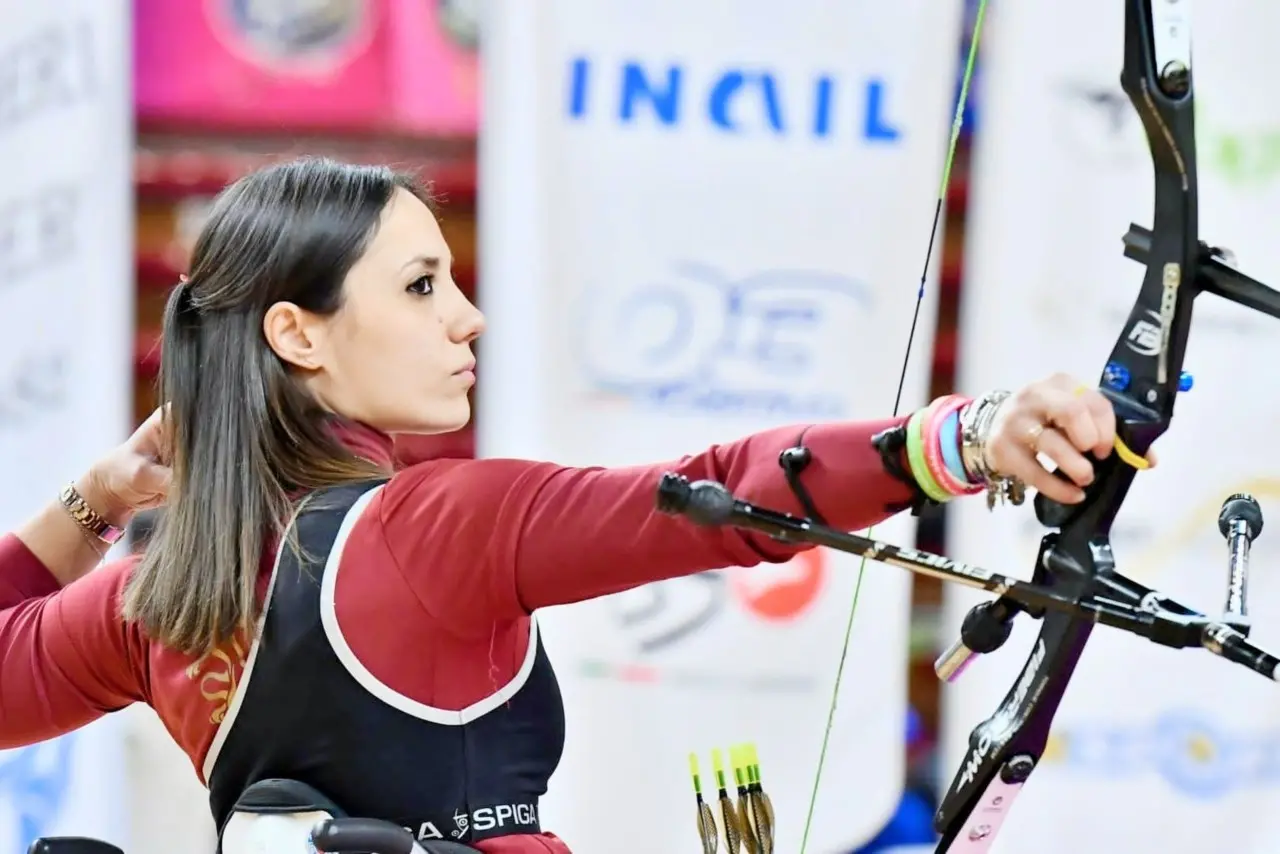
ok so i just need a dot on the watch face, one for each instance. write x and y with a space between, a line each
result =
460 19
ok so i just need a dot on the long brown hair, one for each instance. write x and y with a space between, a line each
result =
247 438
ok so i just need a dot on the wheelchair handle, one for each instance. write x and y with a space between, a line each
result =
352 835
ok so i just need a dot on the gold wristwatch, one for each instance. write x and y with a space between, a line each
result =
89 520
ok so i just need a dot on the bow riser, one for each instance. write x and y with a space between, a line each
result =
1006 747
1141 379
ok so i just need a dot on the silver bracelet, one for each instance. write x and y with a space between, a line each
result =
976 422
975 426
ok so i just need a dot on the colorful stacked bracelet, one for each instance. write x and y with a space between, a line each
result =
933 450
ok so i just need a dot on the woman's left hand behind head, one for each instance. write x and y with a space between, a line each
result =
135 475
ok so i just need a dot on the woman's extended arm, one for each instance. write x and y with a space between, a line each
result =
499 538
52 550
491 539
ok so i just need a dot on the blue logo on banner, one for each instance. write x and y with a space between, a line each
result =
746 99
1193 754
705 343
33 787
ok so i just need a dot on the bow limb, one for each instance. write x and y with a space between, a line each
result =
1141 378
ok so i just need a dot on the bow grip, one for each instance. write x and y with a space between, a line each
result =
1055 514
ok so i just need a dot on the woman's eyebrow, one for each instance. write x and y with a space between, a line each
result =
431 262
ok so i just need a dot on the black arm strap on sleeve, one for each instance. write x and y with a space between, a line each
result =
794 461
890 444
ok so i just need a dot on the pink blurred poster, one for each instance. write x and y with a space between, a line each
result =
350 65
434 66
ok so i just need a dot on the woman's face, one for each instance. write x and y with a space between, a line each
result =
397 355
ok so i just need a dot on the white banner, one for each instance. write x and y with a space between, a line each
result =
66 325
1153 749
701 221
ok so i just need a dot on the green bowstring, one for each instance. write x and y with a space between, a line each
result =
956 123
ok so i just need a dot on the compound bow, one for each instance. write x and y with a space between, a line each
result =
1075 583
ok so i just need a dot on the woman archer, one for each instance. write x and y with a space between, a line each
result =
378 625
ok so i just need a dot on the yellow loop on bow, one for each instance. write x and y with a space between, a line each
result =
1129 456
1123 451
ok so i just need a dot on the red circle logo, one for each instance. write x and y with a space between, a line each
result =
781 592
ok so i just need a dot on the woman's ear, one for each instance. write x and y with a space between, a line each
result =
295 335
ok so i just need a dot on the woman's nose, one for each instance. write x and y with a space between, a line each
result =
470 323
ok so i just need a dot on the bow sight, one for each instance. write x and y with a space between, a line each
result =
1075 583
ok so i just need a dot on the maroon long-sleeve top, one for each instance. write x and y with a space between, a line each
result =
453 555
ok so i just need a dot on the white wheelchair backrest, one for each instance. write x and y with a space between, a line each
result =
270 833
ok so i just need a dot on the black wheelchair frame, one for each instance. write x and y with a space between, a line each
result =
330 836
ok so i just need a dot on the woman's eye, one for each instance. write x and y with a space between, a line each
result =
422 285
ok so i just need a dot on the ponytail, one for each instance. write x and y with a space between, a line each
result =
245 441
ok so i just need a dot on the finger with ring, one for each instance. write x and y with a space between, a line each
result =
1033 434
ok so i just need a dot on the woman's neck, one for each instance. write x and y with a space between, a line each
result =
365 442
